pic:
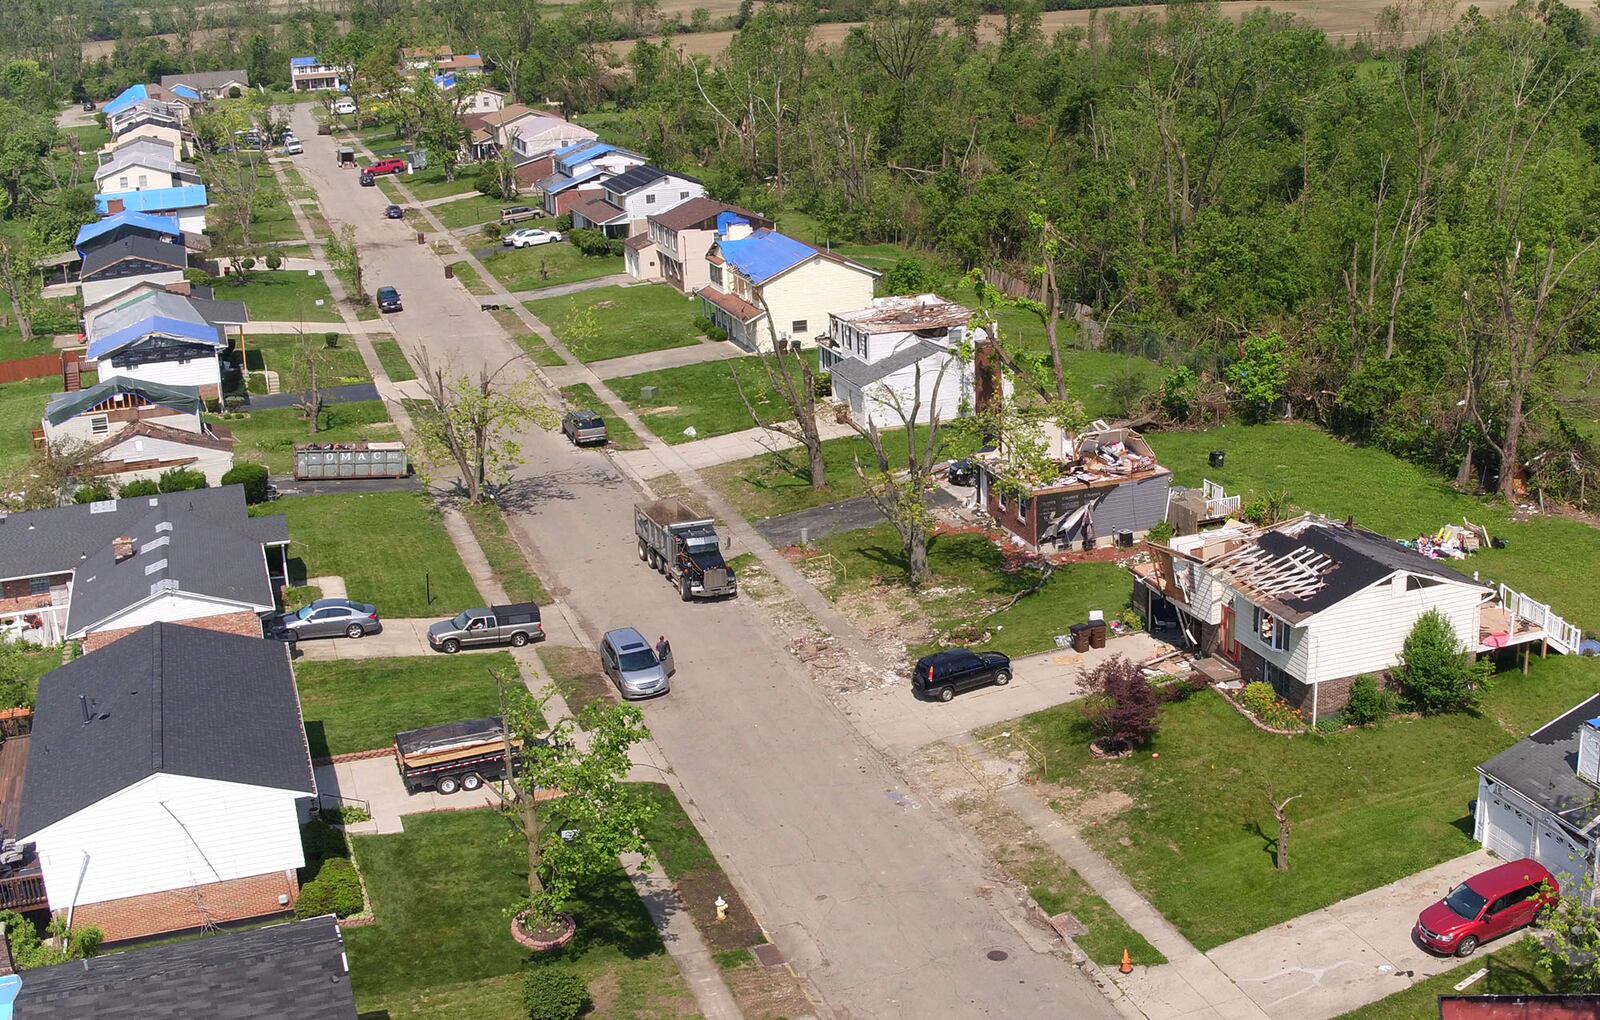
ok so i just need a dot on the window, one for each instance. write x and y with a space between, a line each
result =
683 194
1022 510
797 326
38 586
99 425
122 182
649 200
1274 633
1000 499
716 275
143 181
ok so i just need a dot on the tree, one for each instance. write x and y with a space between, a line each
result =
1126 707
1436 672
308 353
26 139
594 816
1571 948
51 476
472 422
344 255
1258 376
1280 811
790 378
16 277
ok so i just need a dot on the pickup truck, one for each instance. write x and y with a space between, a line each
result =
385 166
583 427
453 756
478 628
683 546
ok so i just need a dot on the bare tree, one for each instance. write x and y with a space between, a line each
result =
473 422
16 276
1280 812
311 403
789 376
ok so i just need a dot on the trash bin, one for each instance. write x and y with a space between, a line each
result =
1097 634
1217 458
420 239
449 272
1080 637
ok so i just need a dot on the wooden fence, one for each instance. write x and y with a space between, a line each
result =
42 366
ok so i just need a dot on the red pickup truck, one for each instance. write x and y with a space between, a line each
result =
385 166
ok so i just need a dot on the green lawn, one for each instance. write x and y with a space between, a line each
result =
547 265
285 354
442 948
505 556
360 704
467 273
531 343
430 183
699 879
465 212
271 219
703 396
1375 805
619 432
21 408
269 437
90 136
390 548
393 359
1552 559
1513 970
283 296
625 320
14 348
1056 888
969 581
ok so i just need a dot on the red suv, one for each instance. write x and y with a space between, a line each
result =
1486 907
385 166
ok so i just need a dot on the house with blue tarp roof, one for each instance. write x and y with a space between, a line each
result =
126 224
187 203
138 101
163 349
768 289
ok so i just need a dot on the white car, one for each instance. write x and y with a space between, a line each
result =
344 106
531 236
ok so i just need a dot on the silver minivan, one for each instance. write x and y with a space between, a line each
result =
632 664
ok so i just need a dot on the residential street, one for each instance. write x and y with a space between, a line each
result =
877 900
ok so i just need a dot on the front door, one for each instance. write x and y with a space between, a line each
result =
1230 647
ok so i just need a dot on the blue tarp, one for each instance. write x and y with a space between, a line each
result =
589 152
189 196
130 96
167 225
185 92
764 254
303 61
199 332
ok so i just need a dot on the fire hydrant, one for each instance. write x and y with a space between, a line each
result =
722 908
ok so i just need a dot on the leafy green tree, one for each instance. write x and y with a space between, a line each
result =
1258 376
1436 672
473 424
1570 951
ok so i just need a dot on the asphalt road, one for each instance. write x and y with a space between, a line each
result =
834 519
879 901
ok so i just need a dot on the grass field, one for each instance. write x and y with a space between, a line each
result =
429 184
269 437
625 320
703 396
475 209
393 359
505 556
283 296
283 353
475 871
271 219
1192 831
619 432
547 265
21 409
468 274
390 548
1553 559
360 704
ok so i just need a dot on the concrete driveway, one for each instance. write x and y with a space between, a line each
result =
376 783
1357 951
398 638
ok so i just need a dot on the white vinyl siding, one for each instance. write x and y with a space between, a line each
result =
169 832
176 607
200 371
1365 632
659 197
810 293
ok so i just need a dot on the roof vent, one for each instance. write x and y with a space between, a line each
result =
122 548
165 584
160 564
103 506
1589 751
164 526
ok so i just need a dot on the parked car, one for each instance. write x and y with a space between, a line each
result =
943 675
389 300
344 106
88 106
530 237
394 212
516 624
632 664
961 472
516 213
1487 905
583 427
292 147
325 618
367 180
385 167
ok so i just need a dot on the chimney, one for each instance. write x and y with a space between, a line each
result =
736 230
122 548
181 287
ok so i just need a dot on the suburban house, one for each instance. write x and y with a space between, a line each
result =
187 203
209 84
110 229
578 173
151 128
141 166
753 270
111 269
139 429
1540 798
441 60
155 148
183 301
675 242
627 199
1107 486
167 777
310 74
480 101
137 100
896 359
47 560
525 133
265 972
164 338
183 288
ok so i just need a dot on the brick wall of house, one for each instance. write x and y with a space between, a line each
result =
238 899
22 588
243 624
1329 697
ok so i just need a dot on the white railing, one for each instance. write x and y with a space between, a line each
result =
1218 502
1563 636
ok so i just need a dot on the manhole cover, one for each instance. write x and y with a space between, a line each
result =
997 955
768 955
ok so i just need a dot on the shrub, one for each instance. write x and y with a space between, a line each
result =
564 223
85 943
1438 675
1263 703
254 479
1159 534
199 278
822 386
1128 706
30 951
554 993
94 492
1125 390
594 243
233 92
321 842
331 340
1178 392
336 890
1369 703
910 276
1269 508
1258 377
274 260
492 231
487 180
138 487
181 480
248 263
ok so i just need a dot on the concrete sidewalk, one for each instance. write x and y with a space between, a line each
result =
563 289
315 328
398 638
705 453
651 361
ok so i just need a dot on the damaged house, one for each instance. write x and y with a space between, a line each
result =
1108 486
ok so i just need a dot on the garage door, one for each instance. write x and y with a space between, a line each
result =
1507 832
1561 855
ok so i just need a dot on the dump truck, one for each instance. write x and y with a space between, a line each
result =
683 546
453 756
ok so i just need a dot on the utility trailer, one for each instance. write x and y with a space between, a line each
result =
684 547
453 756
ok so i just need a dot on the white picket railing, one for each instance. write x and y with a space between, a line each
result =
1564 637
1218 502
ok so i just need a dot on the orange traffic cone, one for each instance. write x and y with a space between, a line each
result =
1127 962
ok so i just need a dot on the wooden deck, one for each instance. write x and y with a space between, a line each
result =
1496 620
23 888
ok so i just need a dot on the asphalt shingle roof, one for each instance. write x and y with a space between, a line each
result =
286 970
164 253
860 373
206 80
1543 769
165 700
702 211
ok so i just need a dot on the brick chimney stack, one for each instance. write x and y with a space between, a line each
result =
122 548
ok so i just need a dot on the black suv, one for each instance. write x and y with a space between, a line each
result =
943 674
388 299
